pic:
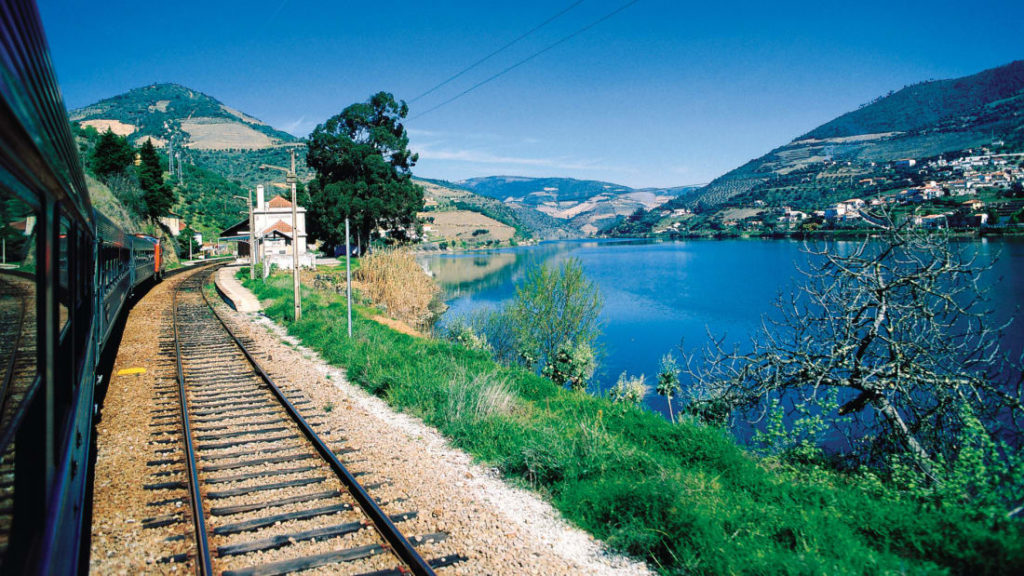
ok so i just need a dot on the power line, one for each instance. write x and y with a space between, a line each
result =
527 59
499 50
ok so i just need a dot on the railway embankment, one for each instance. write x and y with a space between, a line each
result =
683 497
141 518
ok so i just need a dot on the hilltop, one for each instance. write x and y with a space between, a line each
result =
188 118
861 153
198 130
218 152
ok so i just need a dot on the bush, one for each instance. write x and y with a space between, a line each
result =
573 365
628 390
393 280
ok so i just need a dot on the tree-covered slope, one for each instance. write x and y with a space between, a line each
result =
922 105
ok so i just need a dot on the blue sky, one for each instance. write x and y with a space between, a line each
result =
664 93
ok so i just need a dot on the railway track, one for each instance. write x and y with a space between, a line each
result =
268 495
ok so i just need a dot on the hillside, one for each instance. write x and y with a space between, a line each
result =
923 105
587 205
198 130
854 154
193 120
527 223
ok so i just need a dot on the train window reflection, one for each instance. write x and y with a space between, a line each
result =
63 271
17 327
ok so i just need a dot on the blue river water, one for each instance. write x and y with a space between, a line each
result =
657 295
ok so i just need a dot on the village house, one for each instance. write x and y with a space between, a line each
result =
973 205
792 216
933 221
845 211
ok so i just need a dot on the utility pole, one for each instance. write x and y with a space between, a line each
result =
252 235
348 277
252 240
291 178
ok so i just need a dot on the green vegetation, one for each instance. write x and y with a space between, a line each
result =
243 167
363 172
921 105
111 155
682 496
527 222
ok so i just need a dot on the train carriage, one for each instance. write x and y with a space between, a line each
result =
66 274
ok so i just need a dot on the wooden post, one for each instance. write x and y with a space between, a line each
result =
252 240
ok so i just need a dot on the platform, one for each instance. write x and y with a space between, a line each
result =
238 296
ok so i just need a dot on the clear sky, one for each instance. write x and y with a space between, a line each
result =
663 93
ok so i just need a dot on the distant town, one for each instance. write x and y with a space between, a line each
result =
974 190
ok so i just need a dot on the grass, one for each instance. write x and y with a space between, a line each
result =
683 497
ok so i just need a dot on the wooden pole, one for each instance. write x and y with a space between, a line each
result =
295 243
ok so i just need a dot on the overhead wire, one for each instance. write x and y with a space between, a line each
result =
500 50
527 59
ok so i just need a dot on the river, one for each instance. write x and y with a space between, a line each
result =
659 294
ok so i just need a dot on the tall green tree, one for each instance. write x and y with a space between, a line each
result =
158 195
112 155
363 172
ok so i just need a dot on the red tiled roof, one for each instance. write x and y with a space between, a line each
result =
279 202
279 226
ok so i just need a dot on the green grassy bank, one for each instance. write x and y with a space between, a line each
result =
683 497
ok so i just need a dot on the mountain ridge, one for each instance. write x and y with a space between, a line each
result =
948 116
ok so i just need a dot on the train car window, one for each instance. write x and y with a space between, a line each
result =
84 290
18 296
64 246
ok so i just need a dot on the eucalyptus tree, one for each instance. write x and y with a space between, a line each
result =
364 172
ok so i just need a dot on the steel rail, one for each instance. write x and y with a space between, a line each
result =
204 565
5 386
394 538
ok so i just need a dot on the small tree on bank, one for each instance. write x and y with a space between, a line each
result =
895 327
553 308
668 382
